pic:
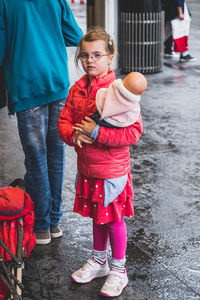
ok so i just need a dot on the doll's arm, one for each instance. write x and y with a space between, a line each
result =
121 137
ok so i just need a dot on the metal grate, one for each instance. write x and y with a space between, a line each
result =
141 42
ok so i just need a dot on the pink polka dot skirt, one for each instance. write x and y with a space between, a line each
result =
90 198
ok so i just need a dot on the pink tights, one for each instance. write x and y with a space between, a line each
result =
116 231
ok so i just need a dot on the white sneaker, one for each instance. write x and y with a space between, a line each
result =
114 285
90 271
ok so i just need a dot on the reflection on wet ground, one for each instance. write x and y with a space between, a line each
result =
165 166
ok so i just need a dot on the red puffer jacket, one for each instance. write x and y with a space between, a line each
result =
109 156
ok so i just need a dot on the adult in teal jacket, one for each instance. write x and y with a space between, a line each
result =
33 39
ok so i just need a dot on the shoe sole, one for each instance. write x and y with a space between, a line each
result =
187 60
100 276
56 235
43 242
111 296
171 56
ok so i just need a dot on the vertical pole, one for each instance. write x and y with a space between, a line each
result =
19 253
143 41
139 43
136 43
111 23
132 42
95 13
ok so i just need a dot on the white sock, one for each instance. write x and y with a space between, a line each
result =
184 53
118 264
99 256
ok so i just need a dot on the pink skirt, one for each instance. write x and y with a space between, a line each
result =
90 198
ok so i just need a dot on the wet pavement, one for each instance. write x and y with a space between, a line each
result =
163 253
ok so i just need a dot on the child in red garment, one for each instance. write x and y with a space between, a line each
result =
104 189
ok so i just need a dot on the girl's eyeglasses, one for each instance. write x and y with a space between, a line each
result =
95 56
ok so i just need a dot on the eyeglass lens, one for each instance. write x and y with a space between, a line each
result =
95 56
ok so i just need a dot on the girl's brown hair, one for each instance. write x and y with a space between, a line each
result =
95 35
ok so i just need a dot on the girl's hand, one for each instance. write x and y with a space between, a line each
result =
82 138
85 127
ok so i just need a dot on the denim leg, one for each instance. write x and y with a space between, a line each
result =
56 161
34 127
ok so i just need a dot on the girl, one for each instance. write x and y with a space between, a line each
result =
104 186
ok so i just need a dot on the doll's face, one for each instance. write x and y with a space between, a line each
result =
94 58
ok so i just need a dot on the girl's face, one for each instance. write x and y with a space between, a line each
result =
94 58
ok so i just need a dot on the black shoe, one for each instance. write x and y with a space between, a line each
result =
187 57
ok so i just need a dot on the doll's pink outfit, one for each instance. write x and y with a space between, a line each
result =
121 108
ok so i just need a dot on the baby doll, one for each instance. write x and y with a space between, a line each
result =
118 105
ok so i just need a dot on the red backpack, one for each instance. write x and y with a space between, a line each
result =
15 204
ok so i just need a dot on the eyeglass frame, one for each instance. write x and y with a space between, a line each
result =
92 56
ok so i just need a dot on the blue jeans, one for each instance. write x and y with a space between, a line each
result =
44 161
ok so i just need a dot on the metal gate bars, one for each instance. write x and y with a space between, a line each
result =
141 38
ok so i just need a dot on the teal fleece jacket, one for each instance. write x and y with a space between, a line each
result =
34 35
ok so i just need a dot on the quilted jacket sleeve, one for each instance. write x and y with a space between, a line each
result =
65 121
121 137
